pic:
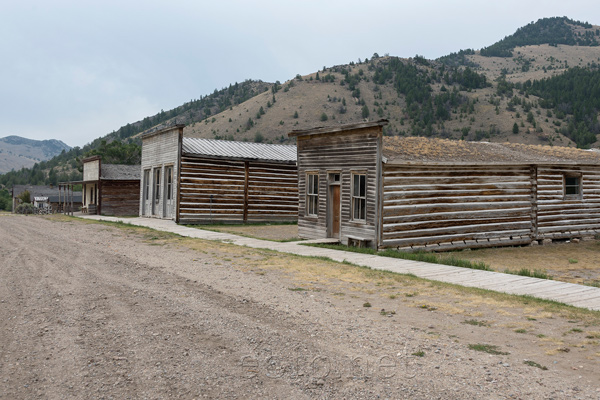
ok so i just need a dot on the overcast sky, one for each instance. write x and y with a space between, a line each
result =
77 70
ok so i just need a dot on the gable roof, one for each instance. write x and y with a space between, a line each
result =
239 150
416 150
120 172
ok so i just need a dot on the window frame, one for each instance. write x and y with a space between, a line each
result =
578 186
360 198
312 198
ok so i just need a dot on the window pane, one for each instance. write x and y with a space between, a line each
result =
363 189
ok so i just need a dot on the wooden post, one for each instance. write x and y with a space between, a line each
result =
534 203
58 206
246 175
72 194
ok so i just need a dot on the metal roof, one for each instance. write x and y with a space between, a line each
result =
239 150
120 172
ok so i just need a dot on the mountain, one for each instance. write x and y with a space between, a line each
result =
17 152
540 85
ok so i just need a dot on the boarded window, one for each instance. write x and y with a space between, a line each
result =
572 186
312 194
359 197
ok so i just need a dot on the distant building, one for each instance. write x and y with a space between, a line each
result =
44 196
416 193
197 181
110 189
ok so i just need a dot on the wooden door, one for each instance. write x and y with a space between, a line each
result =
335 211
147 199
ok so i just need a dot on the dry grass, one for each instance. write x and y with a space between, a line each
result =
569 262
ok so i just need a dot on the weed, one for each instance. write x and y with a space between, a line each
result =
392 296
541 335
419 353
413 294
576 330
531 319
427 307
367 304
297 289
475 322
521 330
573 261
593 335
487 348
339 294
534 364
415 256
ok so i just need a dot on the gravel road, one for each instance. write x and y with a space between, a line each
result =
90 311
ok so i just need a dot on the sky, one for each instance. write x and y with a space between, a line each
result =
77 70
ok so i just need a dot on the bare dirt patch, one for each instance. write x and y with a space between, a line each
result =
569 262
279 232
97 311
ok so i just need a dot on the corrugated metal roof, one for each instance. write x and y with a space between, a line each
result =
239 150
120 172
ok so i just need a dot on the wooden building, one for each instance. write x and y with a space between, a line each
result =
196 181
110 189
415 193
46 195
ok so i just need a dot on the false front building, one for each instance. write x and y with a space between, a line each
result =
415 193
201 181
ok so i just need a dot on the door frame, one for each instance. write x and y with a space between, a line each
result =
168 197
334 180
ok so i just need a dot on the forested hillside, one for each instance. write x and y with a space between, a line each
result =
540 85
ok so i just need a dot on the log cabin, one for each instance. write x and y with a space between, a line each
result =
109 189
202 181
413 193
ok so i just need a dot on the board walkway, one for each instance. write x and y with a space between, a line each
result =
568 293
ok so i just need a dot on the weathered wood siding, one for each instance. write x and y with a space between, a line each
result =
120 197
442 207
91 170
565 218
272 192
159 150
355 151
234 191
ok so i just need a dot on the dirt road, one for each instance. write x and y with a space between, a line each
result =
92 311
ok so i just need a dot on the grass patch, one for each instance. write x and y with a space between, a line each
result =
413 256
297 289
487 348
475 322
419 353
367 304
530 273
573 261
521 330
534 364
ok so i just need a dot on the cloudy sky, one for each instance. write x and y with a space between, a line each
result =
77 70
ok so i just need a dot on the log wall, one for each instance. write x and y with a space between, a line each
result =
236 191
442 207
343 153
559 217
120 197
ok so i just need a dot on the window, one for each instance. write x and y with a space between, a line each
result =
359 197
572 187
312 194
146 184
157 184
169 182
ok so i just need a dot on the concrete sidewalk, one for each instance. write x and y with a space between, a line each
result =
568 293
